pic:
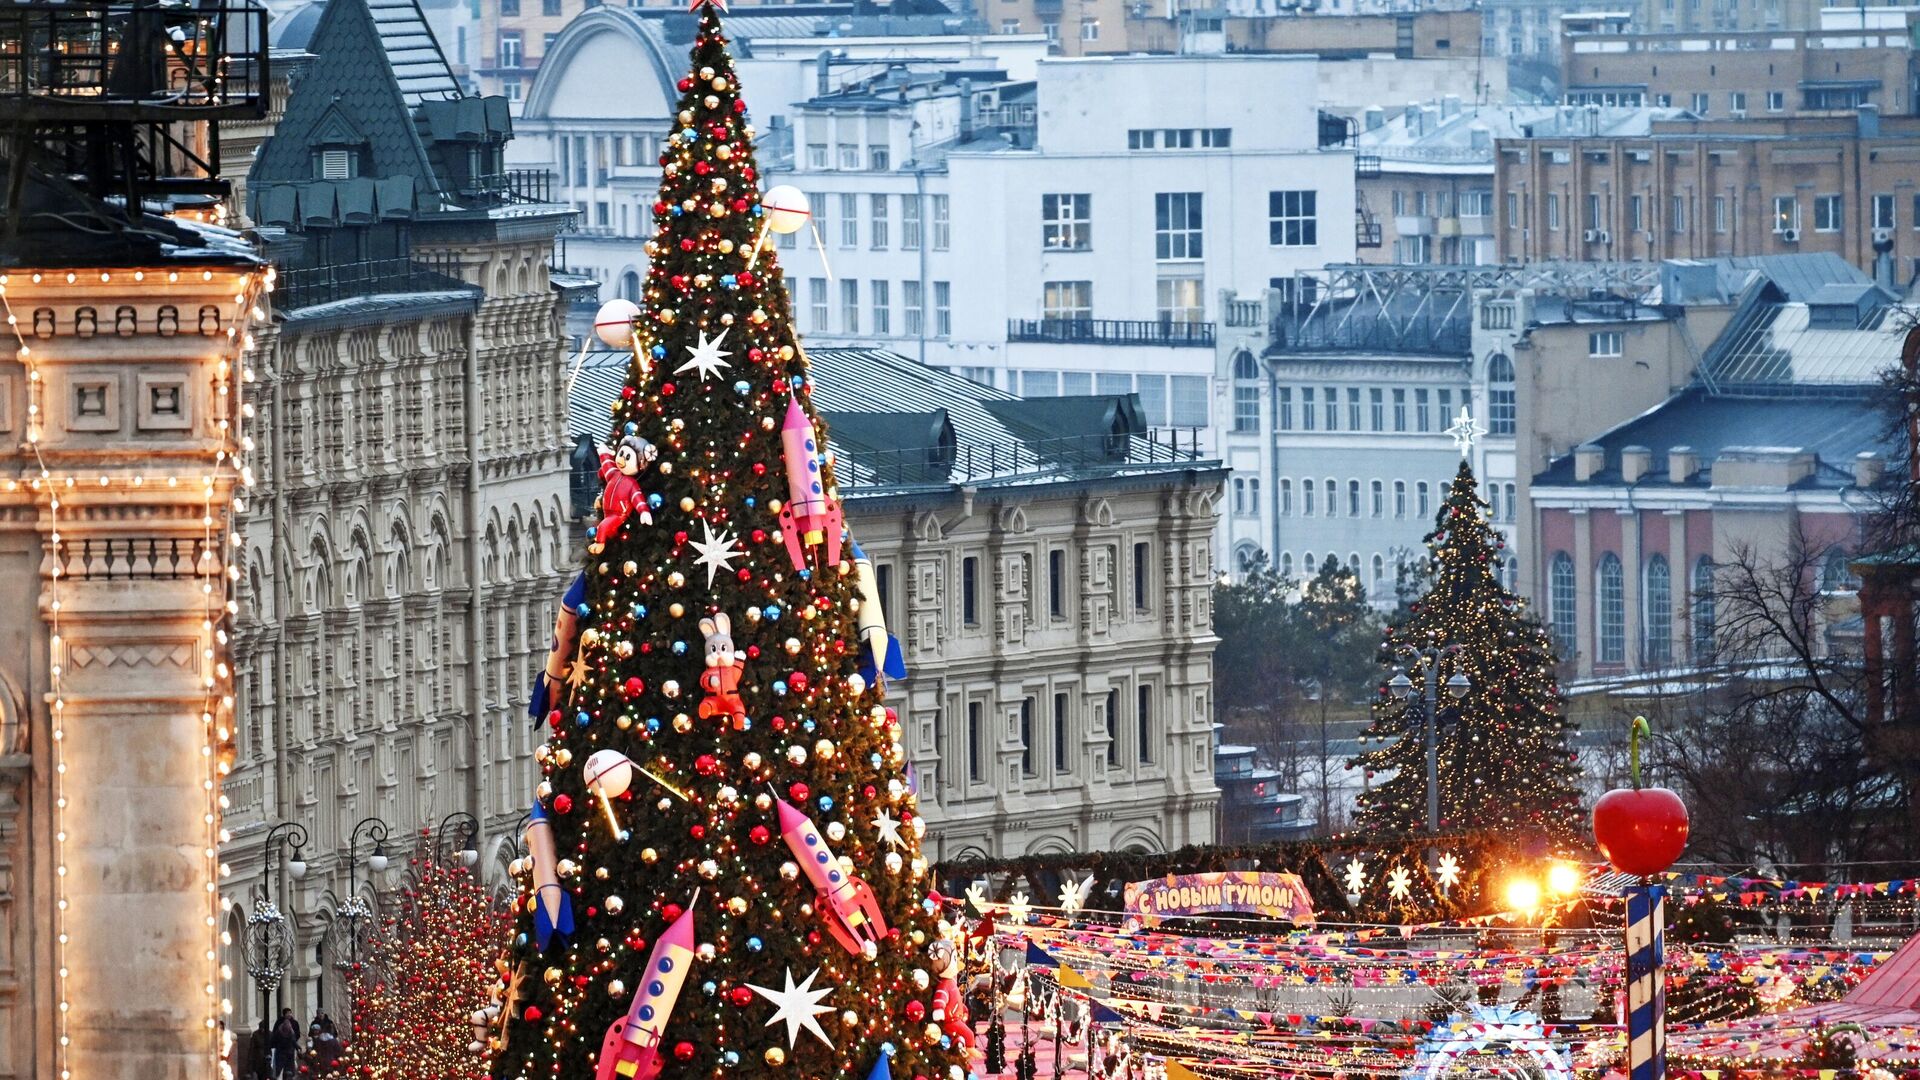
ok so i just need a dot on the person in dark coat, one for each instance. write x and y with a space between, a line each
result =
259 1057
286 1046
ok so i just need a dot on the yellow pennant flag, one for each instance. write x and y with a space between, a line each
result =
1177 1071
1070 977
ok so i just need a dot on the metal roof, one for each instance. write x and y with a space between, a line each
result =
1784 348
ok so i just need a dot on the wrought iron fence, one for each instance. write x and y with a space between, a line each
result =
971 463
305 286
1112 332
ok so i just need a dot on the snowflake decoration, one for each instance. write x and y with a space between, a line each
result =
1448 872
1356 876
1399 883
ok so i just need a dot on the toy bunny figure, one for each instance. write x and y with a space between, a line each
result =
619 469
949 1008
721 680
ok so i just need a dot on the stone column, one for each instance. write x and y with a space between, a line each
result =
1586 614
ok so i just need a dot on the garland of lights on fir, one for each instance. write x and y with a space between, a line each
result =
1505 764
724 875
429 965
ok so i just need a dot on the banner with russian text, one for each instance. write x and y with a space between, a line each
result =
1279 896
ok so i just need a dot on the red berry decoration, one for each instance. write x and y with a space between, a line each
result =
1640 830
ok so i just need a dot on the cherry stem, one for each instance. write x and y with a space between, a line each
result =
1640 727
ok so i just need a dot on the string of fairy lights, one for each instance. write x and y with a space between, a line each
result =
227 474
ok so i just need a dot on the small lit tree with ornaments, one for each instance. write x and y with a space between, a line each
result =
420 993
723 873
1504 763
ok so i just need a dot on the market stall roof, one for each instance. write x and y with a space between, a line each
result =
1886 1005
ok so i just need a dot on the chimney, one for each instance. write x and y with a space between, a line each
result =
822 77
1869 121
1450 106
1479 138
1588 459
1868 466
1682 463
966 111
1415 117
1429 119
1375 117
1635 462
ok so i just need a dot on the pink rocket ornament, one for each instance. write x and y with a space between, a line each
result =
809 518
631 1050
853 915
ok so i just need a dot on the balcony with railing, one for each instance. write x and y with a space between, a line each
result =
513 185
306 286
92 60
971 463
1162 332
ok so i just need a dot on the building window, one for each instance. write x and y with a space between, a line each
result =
1720 213
849 306
1561 597
1353 498
1378 492
877 221
1399 410
1066 222
1143 720
1737 101
1009 26
1246 408
1703 609
1613 611
1308 421
1180 300
1786 213
1513 503
816 155
1306 497
1422 415
1376 410
1826 213
1493 502
882 307
1500 395
1776 101
1060 761
1702 103
1353 408
1291 219
1421 496
1332 399
1026 737
1057 583
1883 212
970 591
1113 727
1636 213
817 302
913 309
1657 638
1283 408
976 743
849 156
1553 211
1177 222
1066 300
1142 553
1089 29
878 159
1677 213
1286 498
910 223
942 227
942 309
1605 343
1187 404
510 55
849 221
1399 498
1595 219
1333 497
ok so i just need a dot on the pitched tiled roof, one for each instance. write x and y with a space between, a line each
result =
413 55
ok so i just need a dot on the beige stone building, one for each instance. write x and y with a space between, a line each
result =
1703 188
1756 73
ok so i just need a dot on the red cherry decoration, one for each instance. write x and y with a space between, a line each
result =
1640 830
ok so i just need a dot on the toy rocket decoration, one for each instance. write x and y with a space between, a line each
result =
880 651
809 518
853 915
566 637
631 1050
552 907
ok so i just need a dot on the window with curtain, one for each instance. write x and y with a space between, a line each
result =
1703 609
1612 610
1562 597
1657 638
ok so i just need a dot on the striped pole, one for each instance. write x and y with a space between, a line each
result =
1646 982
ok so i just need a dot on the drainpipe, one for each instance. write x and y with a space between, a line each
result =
475 670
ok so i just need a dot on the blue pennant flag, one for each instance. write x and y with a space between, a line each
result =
1037 956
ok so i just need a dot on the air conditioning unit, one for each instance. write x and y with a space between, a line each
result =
1603 236
1590 236
1790 236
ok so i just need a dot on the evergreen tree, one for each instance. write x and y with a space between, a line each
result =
425 978
1504 760
724 875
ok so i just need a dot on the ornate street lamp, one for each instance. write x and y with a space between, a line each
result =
468 837
269 942
1402 689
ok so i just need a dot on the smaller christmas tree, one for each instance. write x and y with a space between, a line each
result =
1504 763
420 1003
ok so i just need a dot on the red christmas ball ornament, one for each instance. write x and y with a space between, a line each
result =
797 791
706 764
702 168
563 803
633 687
760 834
628 392
687 244
760 469
916 1011
745 574
685 85
698 832
740 996
666 389
553 719
683 1051
680 537
797 680
533 1014
745 277
869 791
739 207
671 912
759 535
753 652
779 723
740 106
1640 830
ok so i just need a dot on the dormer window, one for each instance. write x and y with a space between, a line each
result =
335 163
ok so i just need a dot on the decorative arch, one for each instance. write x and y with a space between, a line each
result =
1139 838
1100 513
1245 367
601 47
1051 845
1499 1030
359 576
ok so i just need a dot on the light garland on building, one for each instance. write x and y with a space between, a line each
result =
229 473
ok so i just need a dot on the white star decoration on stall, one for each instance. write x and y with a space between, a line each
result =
1073 895
707 357
977 896
1018 907
889 828
1466 431
1356 876
1399 883
716 552
799 1006
1448 872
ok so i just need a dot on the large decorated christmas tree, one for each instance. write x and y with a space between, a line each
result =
723 874
1503 754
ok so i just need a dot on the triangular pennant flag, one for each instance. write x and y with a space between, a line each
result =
1070 977
1103 1015
1038 956
1177 1071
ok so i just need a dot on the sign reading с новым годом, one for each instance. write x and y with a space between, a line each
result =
1281 896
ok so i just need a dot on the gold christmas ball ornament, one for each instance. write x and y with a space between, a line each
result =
789 870
566 868
676 609
552 975
849 1018
649 856
775 1056
686 507
719 82
920 976
603 945
932 1034
676 578
682 723
752 762
706 73
796 755
541 753
736 905
686 116
615 905
629 568
600 873
708 869
766 424
726 248
616 988
563 757
705 951
544 790
856 684
894 862
623 649
623 722
823 749
836 832
793 643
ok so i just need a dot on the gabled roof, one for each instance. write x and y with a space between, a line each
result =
418 65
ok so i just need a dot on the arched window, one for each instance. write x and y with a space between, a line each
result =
1835 575
1493 502
1563 597
1308 568
1379 579
1513 572
1244 366
630 286
1379 499
1353 498
1399 498
1612 610
1245 557
1306 498
1333 497
1286 564
1286 497
1500 410
1657 635
1703 609
1426 506
1246 392
1353 564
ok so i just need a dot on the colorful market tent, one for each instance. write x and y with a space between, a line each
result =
1886 1005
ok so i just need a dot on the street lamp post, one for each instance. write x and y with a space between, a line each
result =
269 943
355 908
469 835
1402 689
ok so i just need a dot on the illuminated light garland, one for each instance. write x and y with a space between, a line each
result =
218 606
